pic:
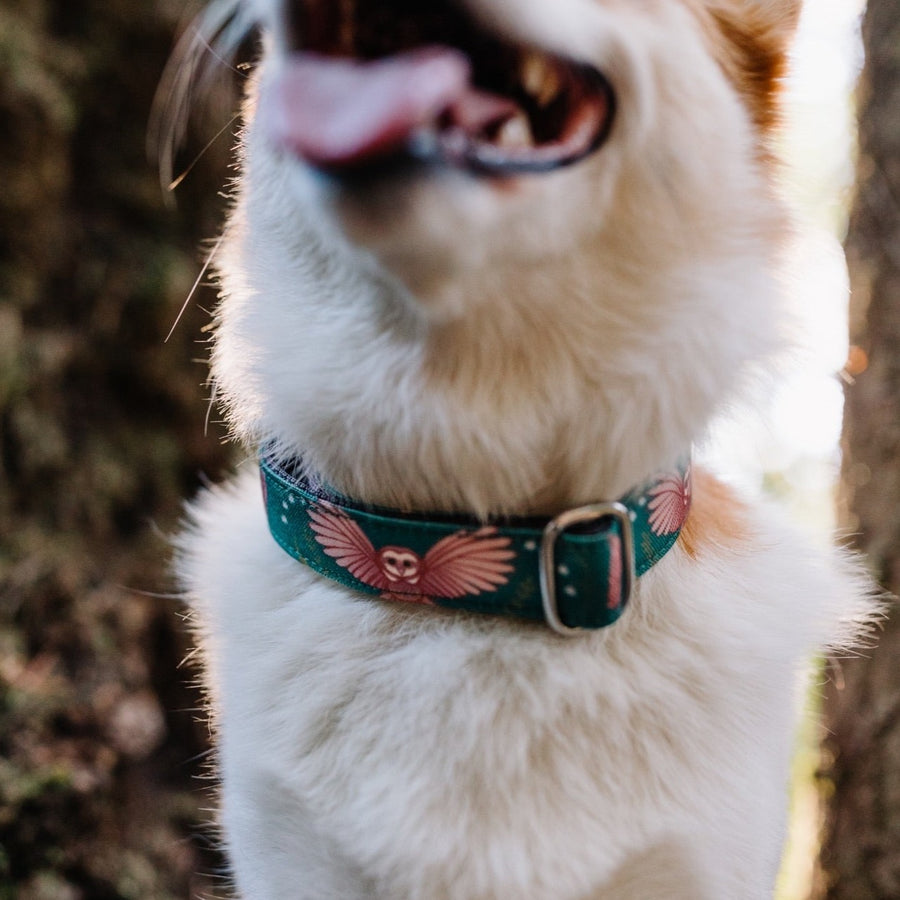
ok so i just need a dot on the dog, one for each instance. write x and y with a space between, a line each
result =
485 632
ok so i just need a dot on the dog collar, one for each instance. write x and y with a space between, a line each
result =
574 571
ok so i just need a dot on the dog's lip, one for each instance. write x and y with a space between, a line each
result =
342 113
585 129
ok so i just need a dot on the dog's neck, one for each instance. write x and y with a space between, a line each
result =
508 388
517 408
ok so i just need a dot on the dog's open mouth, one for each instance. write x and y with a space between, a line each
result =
372 79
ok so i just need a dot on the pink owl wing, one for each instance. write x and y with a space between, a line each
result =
466 563
344 541
671 498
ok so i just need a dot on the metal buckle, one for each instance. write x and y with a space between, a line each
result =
593 512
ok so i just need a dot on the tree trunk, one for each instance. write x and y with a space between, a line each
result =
861 852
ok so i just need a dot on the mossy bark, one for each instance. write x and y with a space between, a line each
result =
861 851
101 439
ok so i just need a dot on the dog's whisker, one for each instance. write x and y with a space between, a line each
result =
187 171
209 409
231 37
154 595
194 287
214 36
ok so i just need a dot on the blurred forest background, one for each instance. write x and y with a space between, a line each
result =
101 440
860 771
102 749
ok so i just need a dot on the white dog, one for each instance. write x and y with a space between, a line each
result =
491 267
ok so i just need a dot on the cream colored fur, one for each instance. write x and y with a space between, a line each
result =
451 344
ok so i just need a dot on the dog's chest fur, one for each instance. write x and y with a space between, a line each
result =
514 347
439 756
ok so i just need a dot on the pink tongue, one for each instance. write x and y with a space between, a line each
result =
337 112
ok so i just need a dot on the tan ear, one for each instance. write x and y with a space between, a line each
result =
753 42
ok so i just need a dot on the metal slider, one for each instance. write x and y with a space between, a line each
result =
593 512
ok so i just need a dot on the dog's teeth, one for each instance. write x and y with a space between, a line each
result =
515 133
540 78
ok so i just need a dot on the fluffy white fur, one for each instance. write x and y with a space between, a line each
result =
450 343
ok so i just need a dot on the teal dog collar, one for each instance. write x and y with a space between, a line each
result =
574 571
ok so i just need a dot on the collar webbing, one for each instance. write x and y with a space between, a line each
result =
575 571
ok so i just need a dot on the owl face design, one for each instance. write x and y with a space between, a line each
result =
465 562
400 564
